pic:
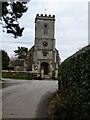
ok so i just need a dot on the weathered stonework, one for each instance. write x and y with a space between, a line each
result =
43 57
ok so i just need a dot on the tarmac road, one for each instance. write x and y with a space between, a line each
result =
27 99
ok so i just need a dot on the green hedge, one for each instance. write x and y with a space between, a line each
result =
19 75
74 84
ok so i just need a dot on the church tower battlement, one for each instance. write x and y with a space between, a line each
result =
44 17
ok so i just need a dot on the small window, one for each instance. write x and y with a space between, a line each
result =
45 53
45 29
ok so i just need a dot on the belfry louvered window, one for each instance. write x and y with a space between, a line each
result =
45 29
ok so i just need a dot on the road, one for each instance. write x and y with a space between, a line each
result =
27 99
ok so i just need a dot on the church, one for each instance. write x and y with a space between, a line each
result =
43 58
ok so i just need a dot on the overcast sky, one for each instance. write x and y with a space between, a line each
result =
71 26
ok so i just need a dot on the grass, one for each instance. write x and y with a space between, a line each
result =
2 84
58 108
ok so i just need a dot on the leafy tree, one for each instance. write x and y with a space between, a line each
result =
5 60
11 12
21 53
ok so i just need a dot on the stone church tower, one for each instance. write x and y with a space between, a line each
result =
43 57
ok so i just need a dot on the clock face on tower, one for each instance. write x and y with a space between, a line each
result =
45 44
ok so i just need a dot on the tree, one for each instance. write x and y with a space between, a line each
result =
21 53
5 60
11 12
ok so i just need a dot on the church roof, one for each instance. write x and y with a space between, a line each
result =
32 48
18 62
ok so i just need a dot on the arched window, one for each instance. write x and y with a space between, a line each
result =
45 29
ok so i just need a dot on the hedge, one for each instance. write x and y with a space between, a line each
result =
71 101
74 83
19 75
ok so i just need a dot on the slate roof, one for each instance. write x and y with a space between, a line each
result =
19 62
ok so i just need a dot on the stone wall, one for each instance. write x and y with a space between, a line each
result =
19 75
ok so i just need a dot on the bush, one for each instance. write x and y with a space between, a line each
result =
75 77
19 75
58 109
72 100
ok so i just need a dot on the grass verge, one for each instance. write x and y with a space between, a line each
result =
58 109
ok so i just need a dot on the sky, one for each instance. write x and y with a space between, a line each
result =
71 26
